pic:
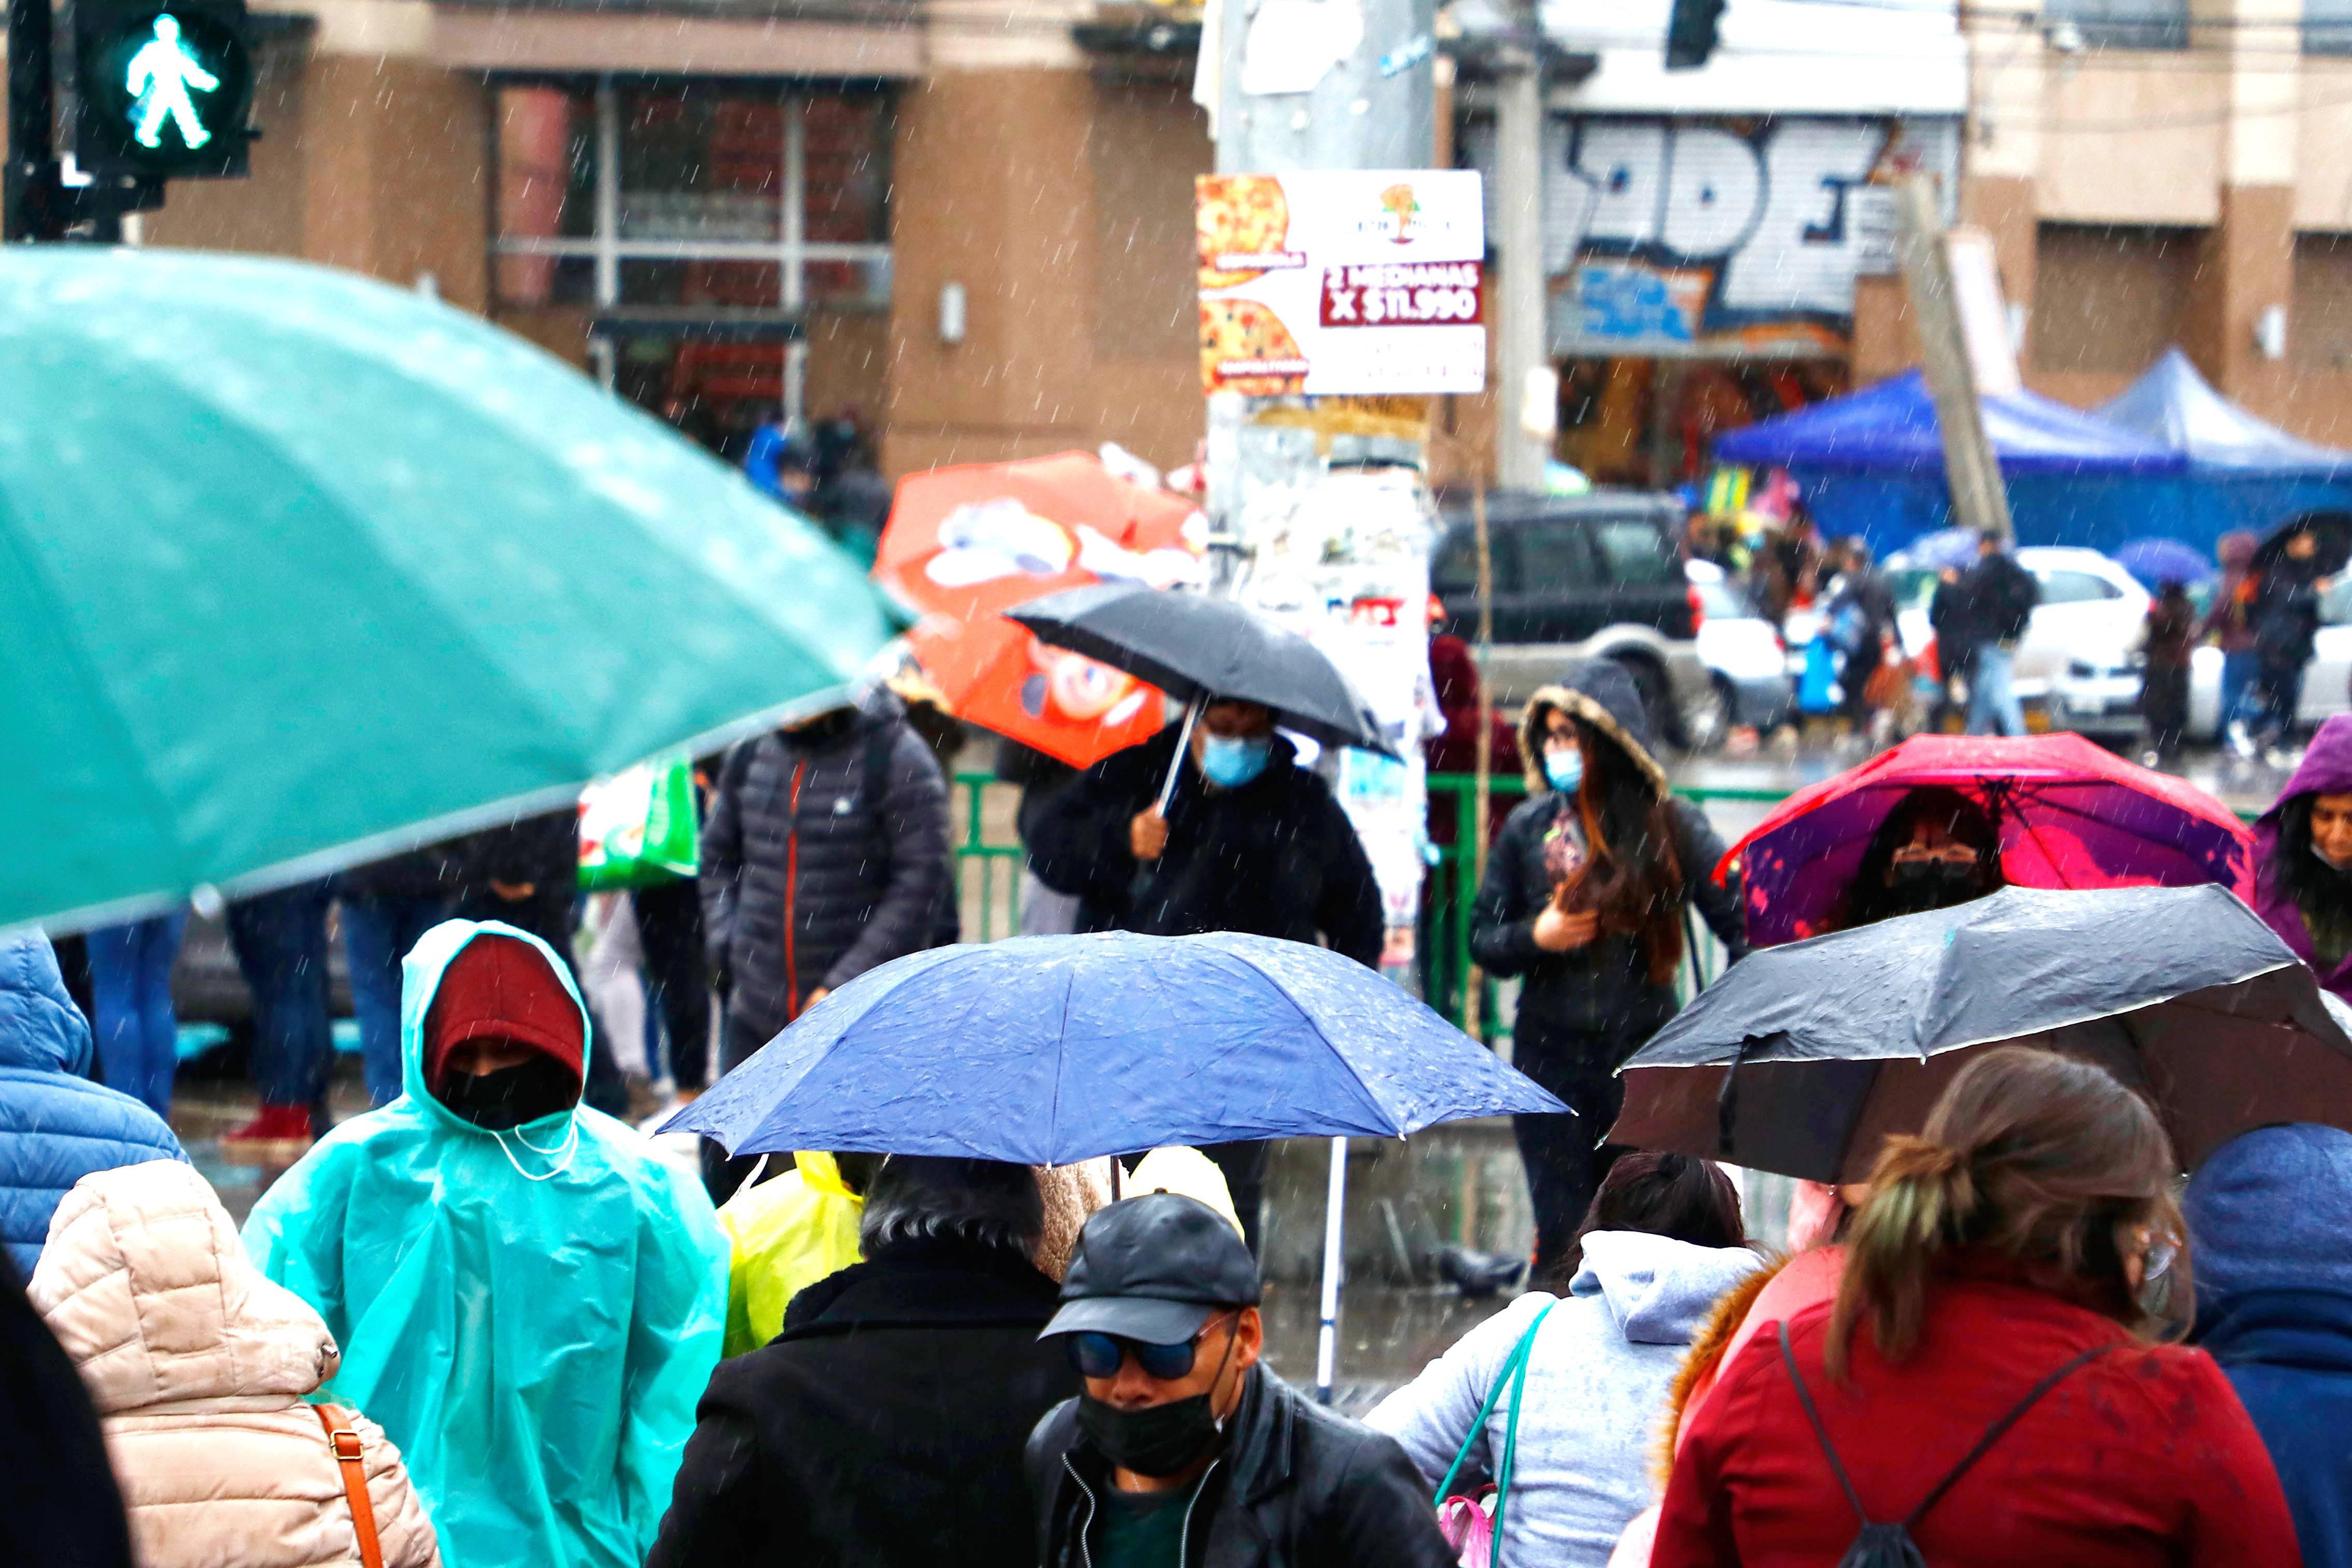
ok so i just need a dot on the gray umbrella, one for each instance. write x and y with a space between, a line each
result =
1803 1059
1193 647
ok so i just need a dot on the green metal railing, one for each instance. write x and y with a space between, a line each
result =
988 863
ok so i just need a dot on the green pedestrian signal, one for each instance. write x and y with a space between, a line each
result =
163 87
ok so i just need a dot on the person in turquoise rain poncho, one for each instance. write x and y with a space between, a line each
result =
528 1301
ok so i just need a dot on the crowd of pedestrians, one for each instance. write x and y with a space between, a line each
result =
487 1322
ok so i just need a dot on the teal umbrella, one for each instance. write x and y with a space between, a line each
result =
297 570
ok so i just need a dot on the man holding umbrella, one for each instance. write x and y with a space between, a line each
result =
1247 841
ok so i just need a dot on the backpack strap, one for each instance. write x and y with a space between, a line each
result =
1984 1444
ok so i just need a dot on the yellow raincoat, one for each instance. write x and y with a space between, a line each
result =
784 1235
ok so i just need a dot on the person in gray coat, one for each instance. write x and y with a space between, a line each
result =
1660 1246
825 855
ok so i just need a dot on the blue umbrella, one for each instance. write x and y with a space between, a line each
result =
1051 1050
2157 562
1954 547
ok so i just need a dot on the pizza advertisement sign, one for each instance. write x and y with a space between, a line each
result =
1356 281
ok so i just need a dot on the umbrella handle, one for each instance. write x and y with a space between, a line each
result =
1176 763
1327 1337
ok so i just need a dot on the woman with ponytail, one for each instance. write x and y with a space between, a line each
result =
1992 1384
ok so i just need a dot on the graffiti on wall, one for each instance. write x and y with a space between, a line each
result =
1684 236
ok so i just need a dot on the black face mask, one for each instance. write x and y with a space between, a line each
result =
496 1101
1922 885
1158 1440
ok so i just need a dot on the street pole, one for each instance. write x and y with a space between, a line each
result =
1482 793
32 190
1970 470
1518 241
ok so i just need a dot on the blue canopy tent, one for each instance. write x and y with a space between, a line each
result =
1872 463
2242 473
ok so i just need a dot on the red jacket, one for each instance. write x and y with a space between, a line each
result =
2142 1457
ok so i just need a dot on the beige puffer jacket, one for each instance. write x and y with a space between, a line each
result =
197 1364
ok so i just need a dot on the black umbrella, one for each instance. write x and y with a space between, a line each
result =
1193 648
2332 531
1803 1059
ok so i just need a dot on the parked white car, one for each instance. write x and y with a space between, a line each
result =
1743 655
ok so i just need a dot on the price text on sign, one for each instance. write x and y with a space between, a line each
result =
1444 293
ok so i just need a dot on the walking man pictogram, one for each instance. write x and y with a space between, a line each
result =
161 74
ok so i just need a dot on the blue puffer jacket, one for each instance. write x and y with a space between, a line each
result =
2268 1214
55 1126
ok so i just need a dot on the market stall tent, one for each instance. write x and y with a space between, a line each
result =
1872 463
2242 473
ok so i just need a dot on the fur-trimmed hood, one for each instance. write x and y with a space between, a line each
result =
1601 693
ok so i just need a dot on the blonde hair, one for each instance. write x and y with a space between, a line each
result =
2036 1158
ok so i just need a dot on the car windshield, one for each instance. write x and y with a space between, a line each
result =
2064 587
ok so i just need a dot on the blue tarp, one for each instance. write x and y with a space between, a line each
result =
1872 464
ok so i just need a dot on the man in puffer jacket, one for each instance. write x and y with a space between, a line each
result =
198 1366
825 854
56 1125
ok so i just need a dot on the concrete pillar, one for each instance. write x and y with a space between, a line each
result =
2247 261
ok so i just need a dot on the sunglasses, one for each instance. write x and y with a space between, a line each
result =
1100 1355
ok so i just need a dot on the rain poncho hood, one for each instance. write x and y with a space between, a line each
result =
530 1315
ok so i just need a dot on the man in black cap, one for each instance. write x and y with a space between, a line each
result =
1183 1451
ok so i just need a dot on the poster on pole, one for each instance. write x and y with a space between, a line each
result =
1356 281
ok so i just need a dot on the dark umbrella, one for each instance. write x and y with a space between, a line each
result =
2333 530
1803 1060
1194 647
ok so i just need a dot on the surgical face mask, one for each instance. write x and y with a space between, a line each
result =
1229 761
1923 884
1156 1440
500 1101
1565 769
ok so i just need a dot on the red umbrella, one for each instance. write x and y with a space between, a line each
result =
2070 815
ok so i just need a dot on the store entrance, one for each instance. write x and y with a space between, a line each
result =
715 383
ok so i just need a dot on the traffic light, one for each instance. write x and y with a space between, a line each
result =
1690 33
162 87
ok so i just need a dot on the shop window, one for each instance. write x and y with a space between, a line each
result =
2120 24
2109 298
2319 320
685 195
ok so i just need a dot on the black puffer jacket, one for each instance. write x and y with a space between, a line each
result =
1276 857
1296 1486
1603 987
847 827
883 1427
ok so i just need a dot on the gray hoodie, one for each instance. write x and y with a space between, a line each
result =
1597 1383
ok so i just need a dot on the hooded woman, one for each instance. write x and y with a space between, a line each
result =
528 1298
2303 849
199 1366
1584 899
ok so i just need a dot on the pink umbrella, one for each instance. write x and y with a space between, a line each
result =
2071 814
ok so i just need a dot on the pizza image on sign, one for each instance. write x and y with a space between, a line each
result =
1242 222
1245 348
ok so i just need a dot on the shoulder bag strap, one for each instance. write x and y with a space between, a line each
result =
1517 1359
1511 1428
2032 1397
1805 1397
345 1443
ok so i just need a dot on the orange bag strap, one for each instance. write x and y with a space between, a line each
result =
345 1442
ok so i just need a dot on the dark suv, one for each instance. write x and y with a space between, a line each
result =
1597 575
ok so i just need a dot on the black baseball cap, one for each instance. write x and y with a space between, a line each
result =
1154 1269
